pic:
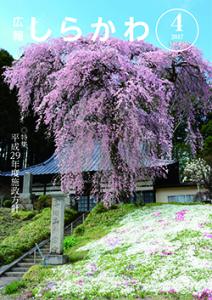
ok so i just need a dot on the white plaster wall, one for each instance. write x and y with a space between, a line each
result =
163 193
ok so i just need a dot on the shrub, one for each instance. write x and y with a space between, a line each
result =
26 237
8 224
70 241
139 199
7 203
42 202
70 215
31 232
100 208
114 206
79 230
37 273
24 215
14 286
77 256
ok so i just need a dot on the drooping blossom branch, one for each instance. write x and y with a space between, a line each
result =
117 100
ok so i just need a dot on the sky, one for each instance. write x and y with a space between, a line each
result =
183 24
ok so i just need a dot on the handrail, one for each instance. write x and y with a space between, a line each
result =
40 252
71 225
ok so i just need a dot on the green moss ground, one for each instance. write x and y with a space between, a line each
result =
19 232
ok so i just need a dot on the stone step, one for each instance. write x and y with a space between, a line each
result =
45 252
28 262
32 256
45 249
14 274
19 269
46 246
25 264
4 280
31 262
31 259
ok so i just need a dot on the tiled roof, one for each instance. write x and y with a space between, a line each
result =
50 166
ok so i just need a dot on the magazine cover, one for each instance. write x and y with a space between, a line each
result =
106 150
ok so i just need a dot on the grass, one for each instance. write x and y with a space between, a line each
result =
23 233
26 237
10 223
14 287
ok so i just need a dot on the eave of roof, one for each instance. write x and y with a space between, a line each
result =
51 166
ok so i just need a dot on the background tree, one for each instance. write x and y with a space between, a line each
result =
206 131
119 100
9 113
198 171
182 150
40 147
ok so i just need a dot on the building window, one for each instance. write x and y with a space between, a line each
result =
181 198
148 196
83 204
86 203
144 196
92 202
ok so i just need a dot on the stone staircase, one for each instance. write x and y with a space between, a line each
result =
20 266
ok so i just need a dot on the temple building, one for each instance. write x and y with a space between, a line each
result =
40 179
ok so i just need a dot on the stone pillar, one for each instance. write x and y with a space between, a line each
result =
56 256
26 196
57 226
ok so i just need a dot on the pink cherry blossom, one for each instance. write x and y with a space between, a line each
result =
124 99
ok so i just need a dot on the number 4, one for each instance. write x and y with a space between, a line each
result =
178 23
